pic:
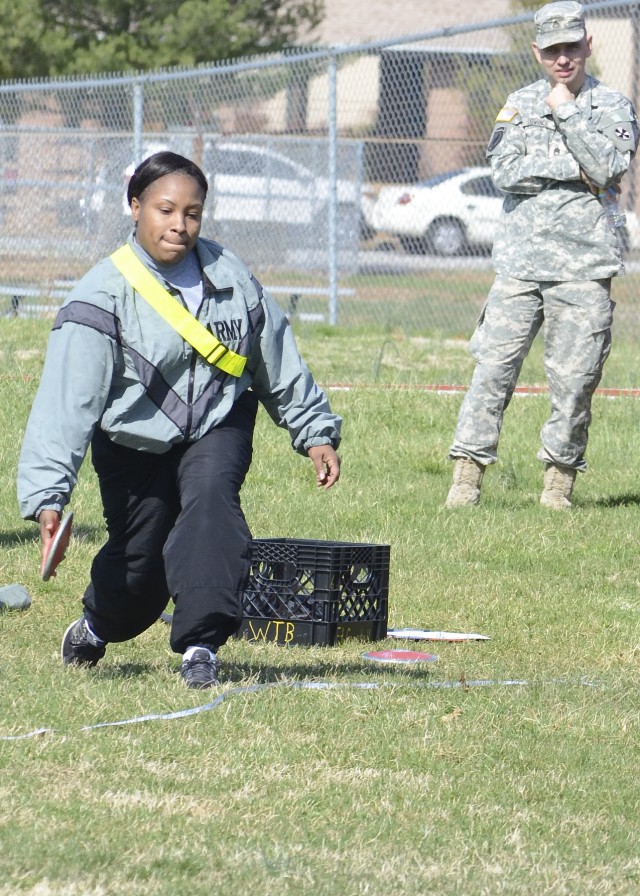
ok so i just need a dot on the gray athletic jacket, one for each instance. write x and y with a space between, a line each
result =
113 362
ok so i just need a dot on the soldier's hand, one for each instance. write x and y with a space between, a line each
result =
590 184
558 95
596 189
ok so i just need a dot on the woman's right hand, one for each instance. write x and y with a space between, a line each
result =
49 521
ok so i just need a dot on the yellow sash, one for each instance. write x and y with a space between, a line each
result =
144 283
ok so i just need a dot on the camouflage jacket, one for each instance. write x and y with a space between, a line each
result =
552 226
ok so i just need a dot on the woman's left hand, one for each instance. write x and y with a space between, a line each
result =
327 464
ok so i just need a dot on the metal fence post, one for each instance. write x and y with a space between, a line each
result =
333 188
138 121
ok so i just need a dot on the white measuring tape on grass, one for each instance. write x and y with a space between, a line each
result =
297 685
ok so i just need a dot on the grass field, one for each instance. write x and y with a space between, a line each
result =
510 766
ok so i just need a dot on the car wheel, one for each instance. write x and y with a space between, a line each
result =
414 245
366 230
447 237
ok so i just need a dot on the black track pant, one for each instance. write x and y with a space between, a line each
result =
175 529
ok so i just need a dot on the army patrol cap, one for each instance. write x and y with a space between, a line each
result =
559 23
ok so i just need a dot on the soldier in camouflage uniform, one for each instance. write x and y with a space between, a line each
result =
556 145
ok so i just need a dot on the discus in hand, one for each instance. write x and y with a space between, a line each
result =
57 547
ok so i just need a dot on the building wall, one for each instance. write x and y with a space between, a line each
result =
359 21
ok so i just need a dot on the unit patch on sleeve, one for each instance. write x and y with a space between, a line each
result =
621 128
496 137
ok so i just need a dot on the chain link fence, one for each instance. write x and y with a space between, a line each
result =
352 181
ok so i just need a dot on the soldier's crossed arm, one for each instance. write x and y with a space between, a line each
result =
604 145
519 157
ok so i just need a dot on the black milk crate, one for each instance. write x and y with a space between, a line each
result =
316 592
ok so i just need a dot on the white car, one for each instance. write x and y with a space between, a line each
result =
368 199
448 214
273 208
250 182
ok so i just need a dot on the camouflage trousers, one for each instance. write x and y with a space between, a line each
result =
575 318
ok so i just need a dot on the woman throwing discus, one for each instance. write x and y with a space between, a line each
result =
158 359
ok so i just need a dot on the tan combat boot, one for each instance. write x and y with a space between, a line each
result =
558 486
467 479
